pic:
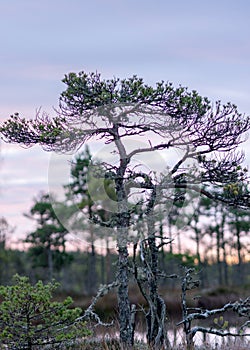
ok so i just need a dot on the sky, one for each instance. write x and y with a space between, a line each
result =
203 45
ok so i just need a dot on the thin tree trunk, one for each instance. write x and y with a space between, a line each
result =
108 263
223 247
197 241
126 332
162 254
170 236
238 244
225 267
218 244
92 267
50 262
179 241
92 271
125 323
102 258
201 268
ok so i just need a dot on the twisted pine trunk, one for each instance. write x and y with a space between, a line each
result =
156 317
126 331
122 224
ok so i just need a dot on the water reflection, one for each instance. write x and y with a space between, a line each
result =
177 338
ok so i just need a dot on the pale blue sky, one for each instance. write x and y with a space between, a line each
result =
204 45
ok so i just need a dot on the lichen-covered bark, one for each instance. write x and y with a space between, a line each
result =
156 317
126 331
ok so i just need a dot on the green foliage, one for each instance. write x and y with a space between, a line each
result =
86 91
77 189
33 131
29 319
48 240
90 186
221 323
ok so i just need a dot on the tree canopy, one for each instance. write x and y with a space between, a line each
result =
92 107
47 242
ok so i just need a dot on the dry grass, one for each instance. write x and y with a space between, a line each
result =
113 344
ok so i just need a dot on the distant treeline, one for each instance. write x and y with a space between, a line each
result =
77 276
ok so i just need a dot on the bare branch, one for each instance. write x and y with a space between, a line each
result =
89 312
